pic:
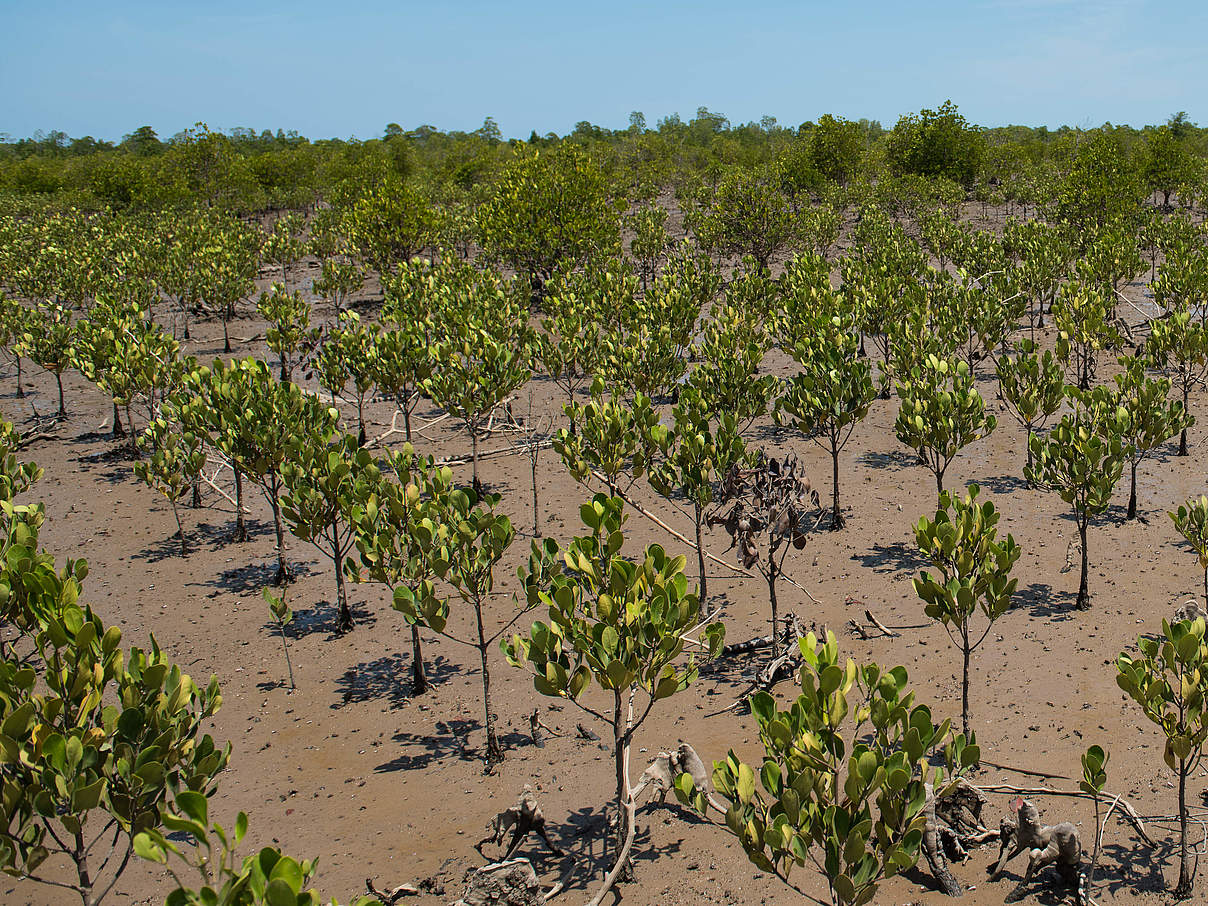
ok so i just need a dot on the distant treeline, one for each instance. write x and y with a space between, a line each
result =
248 172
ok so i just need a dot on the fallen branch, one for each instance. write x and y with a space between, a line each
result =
1005 767
661 524
389 899
881 626
220 491
505 451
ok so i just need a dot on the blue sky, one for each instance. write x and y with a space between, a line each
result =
346 70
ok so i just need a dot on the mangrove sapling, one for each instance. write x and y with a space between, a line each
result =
13 317
289 333
1032 387
283 617
1191 520
398 363
337 281
853 753
618 622
463 539
48 339
941 413
649 340
267 877
1082 315
570 349
829 396
402 539
1044 259
388 223
86 777
325 484
229 275
881 278
693 458
255 421
805 300
401 358
548 210
611 436
732 345
352 346
284 245
480 354
1094 779
1168 678
649 243
1150 419
973 569
1082 459
1179 347
772 509
174 460
532 432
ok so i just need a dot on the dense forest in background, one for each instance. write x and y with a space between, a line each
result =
936 154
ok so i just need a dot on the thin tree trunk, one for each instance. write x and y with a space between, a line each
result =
474 459
772 599
419 679
1183 433
1084 597
180 529
282 575
118 430
494 751
240 525
533 468
1184 889
836 513
285 646
965 652
80 856
344 621
62 407
20 389
700 561
1132 493
226 337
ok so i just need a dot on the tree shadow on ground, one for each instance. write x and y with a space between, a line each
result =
891 558
388 677
892 459
119 452
1003 484
772 433
250 577
1042 601
322 618
450 738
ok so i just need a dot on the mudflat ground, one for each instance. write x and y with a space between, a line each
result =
350 768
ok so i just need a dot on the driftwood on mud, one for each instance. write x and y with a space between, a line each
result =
781 666
1129 813
521 819
1021 831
